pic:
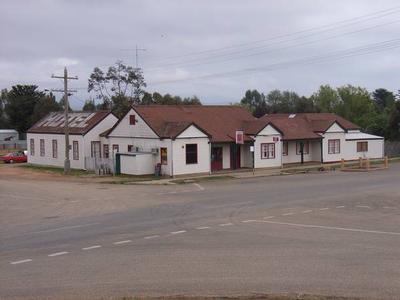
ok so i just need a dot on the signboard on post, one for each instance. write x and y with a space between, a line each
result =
239 137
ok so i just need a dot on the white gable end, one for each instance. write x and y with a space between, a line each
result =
139 129
335 128
269 130
192 132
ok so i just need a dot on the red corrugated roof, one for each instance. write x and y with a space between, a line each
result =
306 125
219 122
78 122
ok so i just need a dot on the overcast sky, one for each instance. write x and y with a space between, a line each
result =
213 49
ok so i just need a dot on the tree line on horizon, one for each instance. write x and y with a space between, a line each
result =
376 113
121 86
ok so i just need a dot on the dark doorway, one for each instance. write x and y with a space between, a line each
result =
235 156
216 158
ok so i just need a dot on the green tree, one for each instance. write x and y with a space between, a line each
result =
45 105
383 99
355 105
20 106
121 84
304 105
394 122
3 101
157 98
256 102
325 99
89 106
147 99
191 101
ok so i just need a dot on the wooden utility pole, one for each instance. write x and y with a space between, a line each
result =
67 163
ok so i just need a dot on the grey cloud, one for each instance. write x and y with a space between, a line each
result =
39 37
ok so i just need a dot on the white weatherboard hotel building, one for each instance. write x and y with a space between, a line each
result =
190 139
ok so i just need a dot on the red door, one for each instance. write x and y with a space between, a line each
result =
216 158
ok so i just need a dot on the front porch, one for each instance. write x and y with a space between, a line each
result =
301 151
230 156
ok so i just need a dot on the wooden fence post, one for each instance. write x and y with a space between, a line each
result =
342 164
386 162
368 163
360 162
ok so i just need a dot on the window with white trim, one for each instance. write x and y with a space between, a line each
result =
362 146
285 148
32 147
54 148
268 151
42 149
334 146
75 150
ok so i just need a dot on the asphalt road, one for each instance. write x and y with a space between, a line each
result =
327 234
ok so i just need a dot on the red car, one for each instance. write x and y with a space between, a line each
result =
19 156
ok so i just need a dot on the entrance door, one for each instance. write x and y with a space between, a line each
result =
216 158
235 156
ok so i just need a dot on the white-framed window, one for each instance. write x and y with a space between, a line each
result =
106 150
75 150
32 147
362 146
42 148
285 148
267 150
191 154
54 148
334 146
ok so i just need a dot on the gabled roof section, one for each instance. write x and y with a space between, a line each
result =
78 122
218 122
254 127
322 121
307 125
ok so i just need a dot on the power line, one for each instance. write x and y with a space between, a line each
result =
352 21
276 49
336 55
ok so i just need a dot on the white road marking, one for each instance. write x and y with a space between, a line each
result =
151 237
226 224
203 227
269 217
122 242
306 211
325 208
65 227
58 253
287 214
249 221
20 261
91 247
178 232
334 228
363 206
390 207
198 186
340 206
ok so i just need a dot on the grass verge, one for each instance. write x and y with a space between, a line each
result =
55 170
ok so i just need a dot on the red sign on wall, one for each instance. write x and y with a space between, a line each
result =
239 137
